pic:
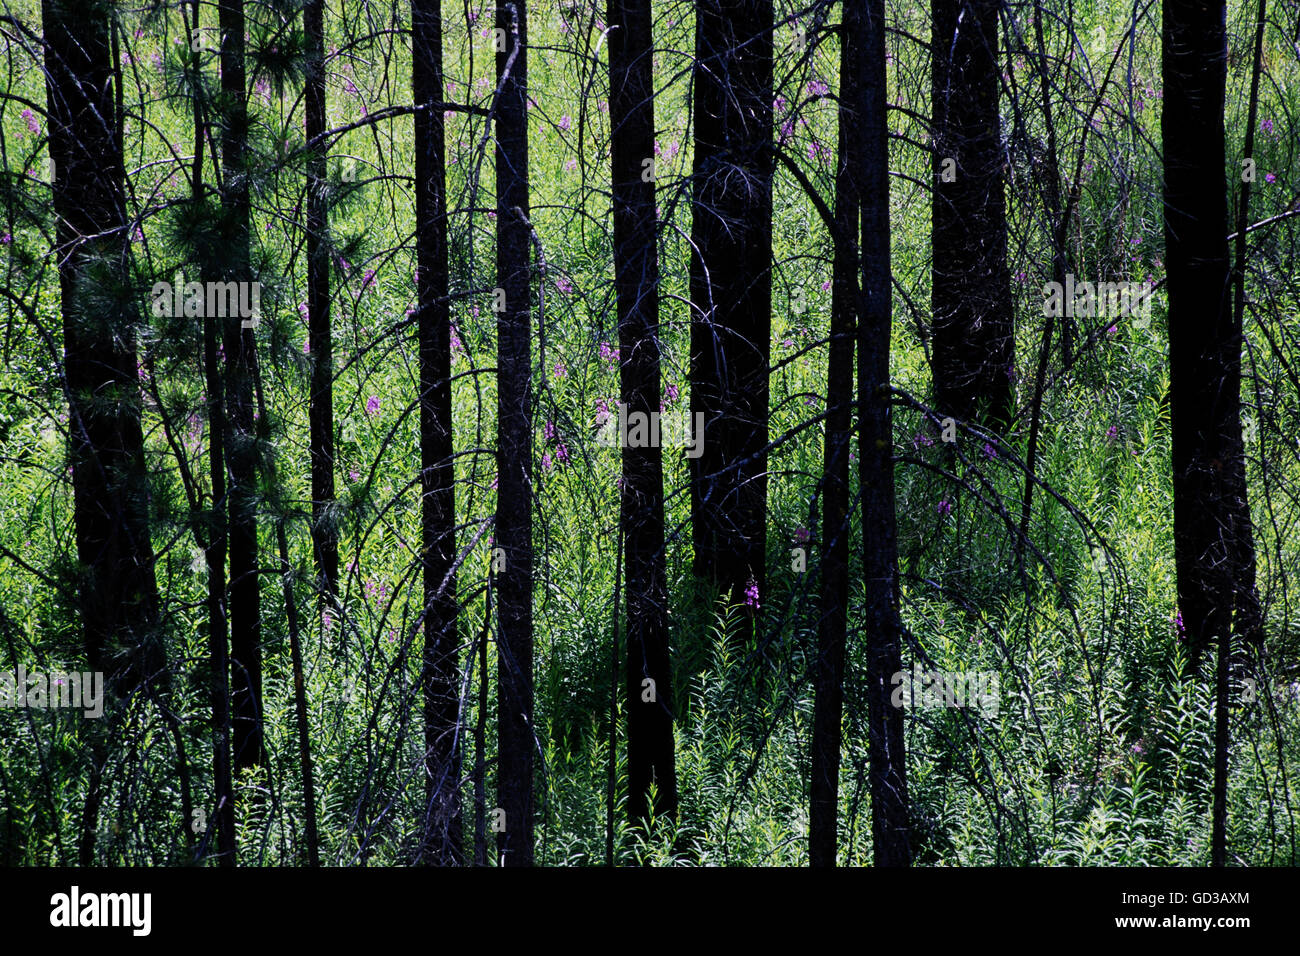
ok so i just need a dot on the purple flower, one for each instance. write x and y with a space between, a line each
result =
671 393
751 594
560 370
546 461
1138 749
562 454
1270 178
548 432
354 475
1113 432
944 507
565 122
1178 626
1265 125
922 440
564 285
817 88
802 535
989 451
372 405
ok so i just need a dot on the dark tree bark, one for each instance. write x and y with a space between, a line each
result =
650 753
216 543
514 523
829 676
443 823
889 809
117 589
241 445
320 339
731 296
1213 548
974 341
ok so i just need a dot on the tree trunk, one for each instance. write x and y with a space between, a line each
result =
832 629
1213 548
116 588
731 296
215 547
974 340
443 825
514 524
320 340
118 591
241 446
889 814
650 753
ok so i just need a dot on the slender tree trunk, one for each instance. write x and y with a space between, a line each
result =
829 676
320 339
443 824
974 340
650 754
889 812
241 447
215 547
731 295
514 523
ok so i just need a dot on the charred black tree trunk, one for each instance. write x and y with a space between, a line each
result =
889 809
443 824
731 295
320 340
215 547
650 754
1213 548
974 342
116 587
117 590
514 523
829 676
241 444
